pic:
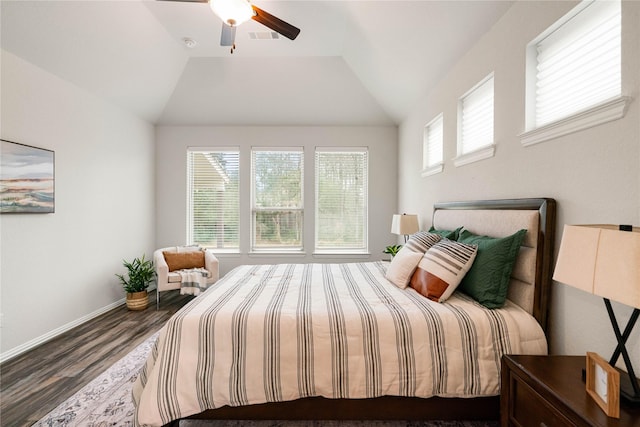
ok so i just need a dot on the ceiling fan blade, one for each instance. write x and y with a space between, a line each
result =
228 35
276 24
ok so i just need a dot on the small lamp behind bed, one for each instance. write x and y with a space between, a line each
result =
604 260
404 224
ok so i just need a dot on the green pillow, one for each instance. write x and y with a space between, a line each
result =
488 279
446 234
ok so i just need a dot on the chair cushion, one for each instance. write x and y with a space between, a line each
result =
182 260
174 278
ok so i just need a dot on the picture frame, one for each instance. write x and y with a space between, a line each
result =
27 179
603 384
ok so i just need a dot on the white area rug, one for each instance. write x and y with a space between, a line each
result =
106 401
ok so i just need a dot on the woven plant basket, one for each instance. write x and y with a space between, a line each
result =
137 300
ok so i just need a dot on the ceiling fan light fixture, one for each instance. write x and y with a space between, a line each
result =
232 12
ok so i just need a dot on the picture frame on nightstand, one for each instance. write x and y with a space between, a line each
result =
603 384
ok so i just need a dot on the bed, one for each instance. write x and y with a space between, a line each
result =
340 341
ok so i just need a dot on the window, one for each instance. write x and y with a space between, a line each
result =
277 198
574 72
475 123
213 198
432 146
341 200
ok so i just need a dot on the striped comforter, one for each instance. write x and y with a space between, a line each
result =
268 333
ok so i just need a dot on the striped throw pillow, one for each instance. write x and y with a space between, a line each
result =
422 241
442 268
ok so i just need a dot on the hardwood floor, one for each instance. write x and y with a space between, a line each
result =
34 383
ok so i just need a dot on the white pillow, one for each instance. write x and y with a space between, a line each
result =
402 266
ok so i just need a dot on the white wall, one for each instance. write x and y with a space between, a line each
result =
57 269
171 149
593 174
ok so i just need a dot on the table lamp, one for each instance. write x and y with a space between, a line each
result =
604 260
404 224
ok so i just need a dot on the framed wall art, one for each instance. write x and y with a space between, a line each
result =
603 384
26 179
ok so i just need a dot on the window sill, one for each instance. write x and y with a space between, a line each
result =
607 111
432 170
226 254
218 251
276 253
475 156
353 255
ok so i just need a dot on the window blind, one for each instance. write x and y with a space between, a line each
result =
433 143
579 64
213 198
476 118
341 184
277 198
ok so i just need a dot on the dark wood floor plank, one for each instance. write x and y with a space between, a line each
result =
34 383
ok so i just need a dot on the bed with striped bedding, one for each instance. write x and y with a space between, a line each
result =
273 333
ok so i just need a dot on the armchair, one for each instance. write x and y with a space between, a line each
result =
170 280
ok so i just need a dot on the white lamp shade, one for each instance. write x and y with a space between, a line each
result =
232 12
404 224
601 260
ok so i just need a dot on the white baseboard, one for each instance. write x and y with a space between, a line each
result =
10 354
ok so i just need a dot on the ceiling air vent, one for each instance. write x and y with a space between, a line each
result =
263 35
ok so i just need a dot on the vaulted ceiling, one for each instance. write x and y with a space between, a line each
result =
354 62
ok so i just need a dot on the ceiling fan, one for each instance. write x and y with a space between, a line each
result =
235 12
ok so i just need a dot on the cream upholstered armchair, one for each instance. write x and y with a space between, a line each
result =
170 280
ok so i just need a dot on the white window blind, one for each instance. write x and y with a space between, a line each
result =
475 130
341 181
579 63
277 198
432 144
213 198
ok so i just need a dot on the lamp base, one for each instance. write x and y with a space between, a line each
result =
629 384
626 389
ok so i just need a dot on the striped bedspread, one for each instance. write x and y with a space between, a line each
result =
267 333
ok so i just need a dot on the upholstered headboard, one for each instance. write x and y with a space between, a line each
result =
531 277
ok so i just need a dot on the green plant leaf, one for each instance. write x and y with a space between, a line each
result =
140 273
392 249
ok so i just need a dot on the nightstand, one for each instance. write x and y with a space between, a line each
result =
539 391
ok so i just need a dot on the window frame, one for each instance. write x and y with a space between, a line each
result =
297 249
431 168
364 248
190 207
484 151
599 112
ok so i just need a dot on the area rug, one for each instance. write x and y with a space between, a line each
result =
106 401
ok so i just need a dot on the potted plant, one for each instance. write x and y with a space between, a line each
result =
141 273
392 250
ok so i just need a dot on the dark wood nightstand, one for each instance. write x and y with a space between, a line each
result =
540 391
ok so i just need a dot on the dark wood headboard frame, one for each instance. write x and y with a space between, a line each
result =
414 408
546 238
